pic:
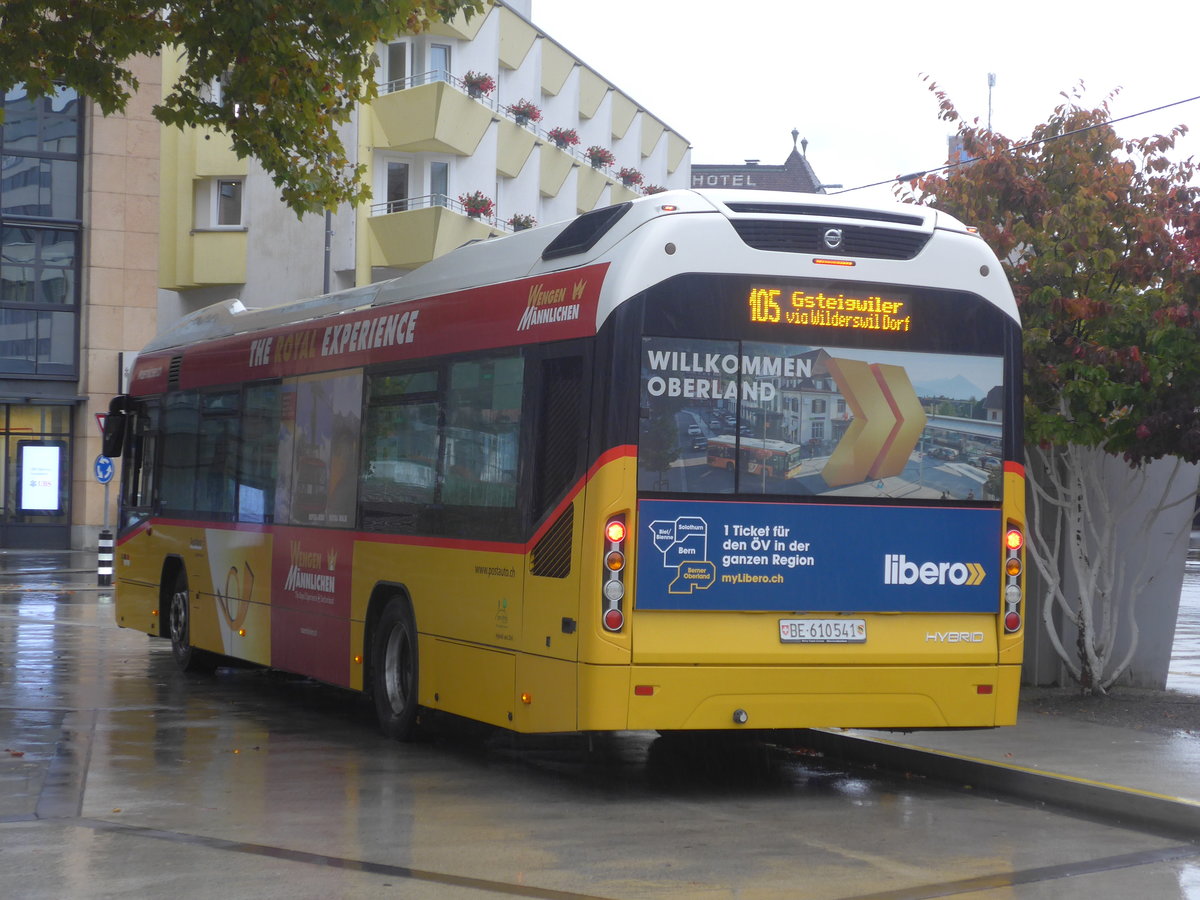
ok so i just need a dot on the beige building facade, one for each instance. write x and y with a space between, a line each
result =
78 272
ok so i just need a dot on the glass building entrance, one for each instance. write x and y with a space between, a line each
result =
36 476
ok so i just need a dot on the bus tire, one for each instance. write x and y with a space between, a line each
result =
394 671
179 624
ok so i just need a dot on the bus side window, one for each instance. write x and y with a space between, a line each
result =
398 474
258 463
182 425
200 451
216 459
561 437
483 426
140 464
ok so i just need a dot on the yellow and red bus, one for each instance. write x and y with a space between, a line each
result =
478 488
758 455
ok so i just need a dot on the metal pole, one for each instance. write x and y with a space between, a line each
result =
104 558
326 280
991 84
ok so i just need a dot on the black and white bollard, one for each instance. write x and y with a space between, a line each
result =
104 559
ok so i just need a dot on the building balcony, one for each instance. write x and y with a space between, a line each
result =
431 117
204 258
405 234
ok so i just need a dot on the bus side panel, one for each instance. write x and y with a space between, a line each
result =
137 605
462 592
469 593
551 607
310 596
140 560
546 694
238 598
137 584
470 681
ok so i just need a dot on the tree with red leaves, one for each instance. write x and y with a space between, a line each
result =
1100 237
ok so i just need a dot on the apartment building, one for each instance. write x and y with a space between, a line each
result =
451 157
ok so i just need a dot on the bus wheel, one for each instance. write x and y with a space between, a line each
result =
394 671
187 657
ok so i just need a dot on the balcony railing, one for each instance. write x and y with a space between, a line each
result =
429 200
494 104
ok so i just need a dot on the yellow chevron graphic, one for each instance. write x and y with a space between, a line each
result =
977 574
888 421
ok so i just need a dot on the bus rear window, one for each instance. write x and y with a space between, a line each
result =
756 418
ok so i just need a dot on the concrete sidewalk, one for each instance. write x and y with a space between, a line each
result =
48 568
1121 774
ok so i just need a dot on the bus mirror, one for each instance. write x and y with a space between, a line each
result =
114 435
114 427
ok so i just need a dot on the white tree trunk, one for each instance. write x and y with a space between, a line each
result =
1076 518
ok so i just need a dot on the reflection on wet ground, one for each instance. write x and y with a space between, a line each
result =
1184 672
117 770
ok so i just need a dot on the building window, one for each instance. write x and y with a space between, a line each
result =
229 203
439 62
38 265
818 407
39 234
396 74
397 186
219 203
48 126
216 90
817 430
439 183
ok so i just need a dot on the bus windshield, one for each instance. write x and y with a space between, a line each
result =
826 414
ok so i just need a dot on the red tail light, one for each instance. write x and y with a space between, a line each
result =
1014 565
612 590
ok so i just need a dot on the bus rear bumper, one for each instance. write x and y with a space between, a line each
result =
756 697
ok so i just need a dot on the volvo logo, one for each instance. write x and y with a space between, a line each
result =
833 238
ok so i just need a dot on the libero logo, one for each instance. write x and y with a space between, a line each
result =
546 306
898 569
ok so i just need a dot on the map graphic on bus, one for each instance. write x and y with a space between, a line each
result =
683 543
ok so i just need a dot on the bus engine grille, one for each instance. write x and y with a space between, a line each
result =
809 237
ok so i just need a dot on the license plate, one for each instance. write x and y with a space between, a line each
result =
823 631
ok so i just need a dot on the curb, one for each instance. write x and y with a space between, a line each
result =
1174 816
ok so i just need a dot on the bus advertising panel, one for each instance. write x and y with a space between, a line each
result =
704 555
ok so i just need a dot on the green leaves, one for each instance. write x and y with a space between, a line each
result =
291 73
1100 238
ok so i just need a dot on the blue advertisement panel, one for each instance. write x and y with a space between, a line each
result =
706 555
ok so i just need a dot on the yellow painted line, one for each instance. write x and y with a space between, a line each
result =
1027 770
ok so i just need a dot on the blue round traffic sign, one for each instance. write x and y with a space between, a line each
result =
104 469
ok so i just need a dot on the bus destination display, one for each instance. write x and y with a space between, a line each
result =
821 310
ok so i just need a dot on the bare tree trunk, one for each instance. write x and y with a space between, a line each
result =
1076 533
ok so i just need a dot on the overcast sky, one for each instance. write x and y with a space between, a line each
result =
734 78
